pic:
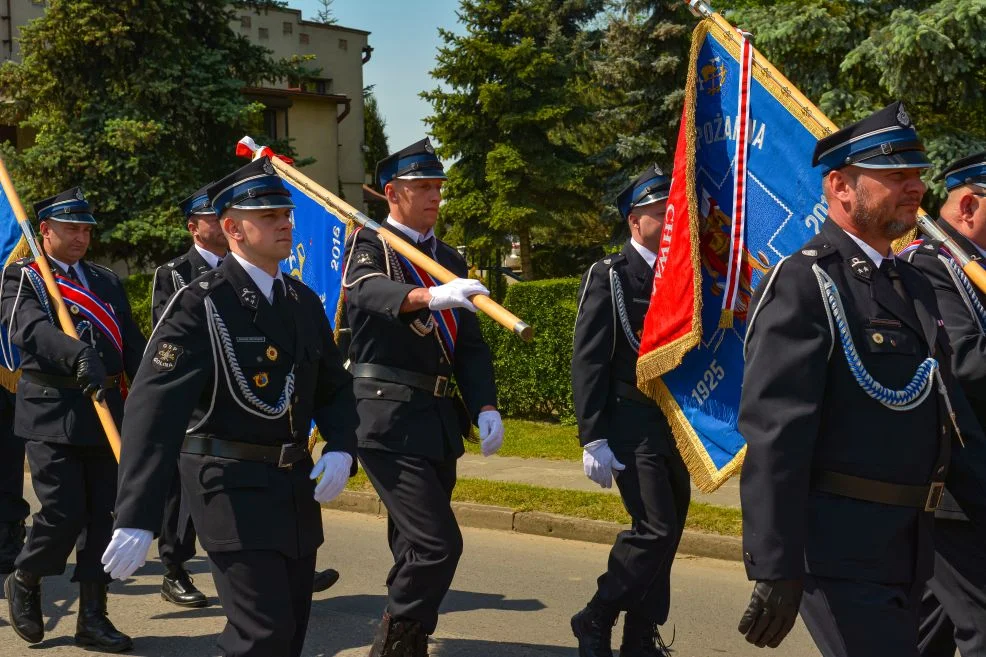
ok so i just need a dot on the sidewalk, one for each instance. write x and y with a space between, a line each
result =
566 474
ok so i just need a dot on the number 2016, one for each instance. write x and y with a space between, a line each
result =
709 382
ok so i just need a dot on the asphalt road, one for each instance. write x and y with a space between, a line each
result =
512 597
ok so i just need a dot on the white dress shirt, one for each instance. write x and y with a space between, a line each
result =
870 252
210 258
649 256
263 280
78 271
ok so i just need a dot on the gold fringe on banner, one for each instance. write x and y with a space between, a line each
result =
9 379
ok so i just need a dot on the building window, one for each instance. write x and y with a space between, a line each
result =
245 22
343 44
270 122
264 33
288 28
302 38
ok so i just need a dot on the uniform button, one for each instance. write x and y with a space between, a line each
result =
379 393
442 360
893 342
878 338
748 557
100 354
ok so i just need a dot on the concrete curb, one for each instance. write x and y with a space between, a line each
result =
694 543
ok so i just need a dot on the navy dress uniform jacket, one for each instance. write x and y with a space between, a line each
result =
186 384
801 411
63 414
603 355
400 418
174 275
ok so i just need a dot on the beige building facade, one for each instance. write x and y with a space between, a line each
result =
322 114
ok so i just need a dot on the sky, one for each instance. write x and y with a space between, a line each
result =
404 37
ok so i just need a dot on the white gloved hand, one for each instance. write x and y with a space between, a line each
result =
599 463
126 552
490 432
334 468
455 294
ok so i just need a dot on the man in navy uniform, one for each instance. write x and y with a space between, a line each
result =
953 610
624 433
13 506
176 543
847 410
73 469
411 340
238 366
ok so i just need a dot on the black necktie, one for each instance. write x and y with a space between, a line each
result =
278 293
428 245
219 261
74 275
889 269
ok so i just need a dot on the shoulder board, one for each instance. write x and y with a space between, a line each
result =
206 283
103 267
176 261
23 262
613 260
930 247
813 251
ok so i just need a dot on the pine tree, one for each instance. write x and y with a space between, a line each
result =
138 103
375 146
505 114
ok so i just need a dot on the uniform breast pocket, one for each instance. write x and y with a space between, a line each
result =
880 340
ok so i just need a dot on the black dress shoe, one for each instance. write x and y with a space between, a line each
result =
399 638
179 589
641 638
324 580
93 627
23 592
594 633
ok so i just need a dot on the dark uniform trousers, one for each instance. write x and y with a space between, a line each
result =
13 506
258 522
953 607
410 438
806 418
176 544
655 484
73 469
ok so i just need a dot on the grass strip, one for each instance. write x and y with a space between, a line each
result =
702 517
537 440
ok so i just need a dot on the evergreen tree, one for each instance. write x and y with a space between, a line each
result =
505 114
139 103
375 146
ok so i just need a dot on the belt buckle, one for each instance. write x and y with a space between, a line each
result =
935 492
441 386
284 454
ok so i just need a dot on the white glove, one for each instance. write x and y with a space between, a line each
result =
455 294
490 432
599 463
334 468
126 552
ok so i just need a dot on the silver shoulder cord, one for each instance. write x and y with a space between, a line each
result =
620 308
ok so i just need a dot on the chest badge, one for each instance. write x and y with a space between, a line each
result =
878 338
272 353
249 297
261 379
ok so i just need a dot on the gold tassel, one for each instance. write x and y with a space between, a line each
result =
9 379
726 319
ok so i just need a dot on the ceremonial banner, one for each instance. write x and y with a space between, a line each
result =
316 256
691 352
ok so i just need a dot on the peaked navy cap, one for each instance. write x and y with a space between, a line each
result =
886 139
650 186
969 170
255 186
70 207
416 161
197 203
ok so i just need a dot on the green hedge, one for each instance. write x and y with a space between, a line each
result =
138 287
534 378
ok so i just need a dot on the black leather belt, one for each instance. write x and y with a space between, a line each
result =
56 381
926 497
632 392
439 386
283 456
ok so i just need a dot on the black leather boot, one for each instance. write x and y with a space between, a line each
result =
324 579
23 591
641 638
93 627
594 630
398 638
178 588
11 541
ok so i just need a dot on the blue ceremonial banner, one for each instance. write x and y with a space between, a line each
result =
319 242
778 200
